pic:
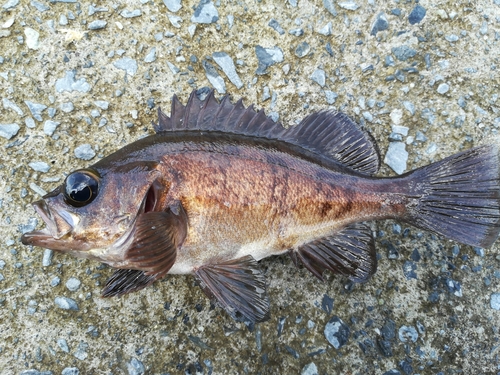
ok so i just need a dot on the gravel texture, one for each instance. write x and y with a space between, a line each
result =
81 79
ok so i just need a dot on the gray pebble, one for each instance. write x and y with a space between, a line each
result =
213 76
37 189
35 372
175 20
95 113
69 83
8 104
227 65
403 130
49 127
396 157
302 49
484 28
66 303
495 301
337 332
297 32
319 77
63 344
55 281
39 6
368 116
135 367
102 104
94 9
380 24
395 137
47 257
408 333
36 109
39 166
267 57
349 5
159 37
9 130
420 137
30 123
389 61
443 88
276 26
67 107
63 20
127 64
97 25
173 5
451 38
326 30
70 371
205 12
130 13
309 369
81 351
329 5
331 96
417 14
151 56
2 264
73 284
409 269
409 106
403 52
10 4
84 152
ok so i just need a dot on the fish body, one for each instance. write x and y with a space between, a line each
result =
220 186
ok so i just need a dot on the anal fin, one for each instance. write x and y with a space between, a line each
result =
239 286
349 252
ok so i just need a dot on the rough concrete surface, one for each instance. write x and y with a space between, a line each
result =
78 80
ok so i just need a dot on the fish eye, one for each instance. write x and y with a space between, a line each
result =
81 188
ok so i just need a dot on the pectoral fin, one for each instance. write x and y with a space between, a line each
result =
125 281
151 250
349 252
239 286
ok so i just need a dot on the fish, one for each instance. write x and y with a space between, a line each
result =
220 186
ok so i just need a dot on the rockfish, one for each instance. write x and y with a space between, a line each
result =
221 186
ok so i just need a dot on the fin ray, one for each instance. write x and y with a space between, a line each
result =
125 281
332 134
349 252
460 196
239 286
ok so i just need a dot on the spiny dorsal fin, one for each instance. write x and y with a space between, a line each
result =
329 133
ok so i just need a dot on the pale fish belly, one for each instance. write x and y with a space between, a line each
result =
277 242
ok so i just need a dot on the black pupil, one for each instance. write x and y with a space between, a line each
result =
81 188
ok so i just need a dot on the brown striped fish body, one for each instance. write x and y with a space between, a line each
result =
220 186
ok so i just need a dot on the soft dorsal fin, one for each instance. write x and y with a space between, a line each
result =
329 133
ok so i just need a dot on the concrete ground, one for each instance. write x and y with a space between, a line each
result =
79 80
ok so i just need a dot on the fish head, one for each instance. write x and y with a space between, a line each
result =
95 208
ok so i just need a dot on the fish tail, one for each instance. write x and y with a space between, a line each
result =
458 197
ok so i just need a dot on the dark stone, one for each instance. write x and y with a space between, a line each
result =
417 14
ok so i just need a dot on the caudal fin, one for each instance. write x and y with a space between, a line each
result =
459 197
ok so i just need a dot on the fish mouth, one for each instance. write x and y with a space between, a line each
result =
58 225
